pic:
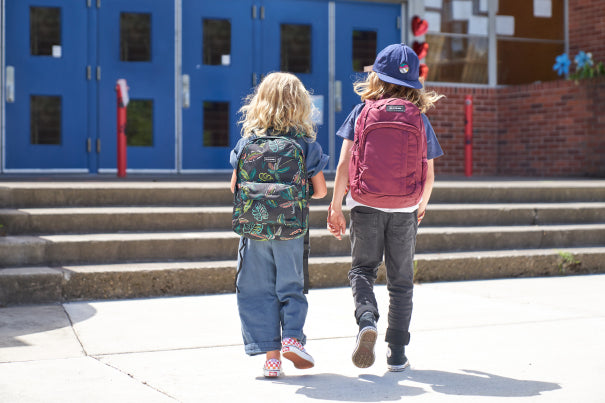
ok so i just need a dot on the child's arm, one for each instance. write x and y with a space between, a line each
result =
337 224
428 189
233 181
320 189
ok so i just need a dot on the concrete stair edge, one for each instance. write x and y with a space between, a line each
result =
35 285
61 250
31 194
142 219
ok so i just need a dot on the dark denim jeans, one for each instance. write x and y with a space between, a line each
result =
373 234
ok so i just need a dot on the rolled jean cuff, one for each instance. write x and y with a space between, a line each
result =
302 339
397 337
261 348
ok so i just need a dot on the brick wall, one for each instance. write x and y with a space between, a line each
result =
448 121
547 129
587 28
552 129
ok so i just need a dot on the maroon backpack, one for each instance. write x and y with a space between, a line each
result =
388 163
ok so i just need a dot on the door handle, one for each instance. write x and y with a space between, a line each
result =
10 84
186 91
337 96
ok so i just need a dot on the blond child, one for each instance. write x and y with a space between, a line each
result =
270 282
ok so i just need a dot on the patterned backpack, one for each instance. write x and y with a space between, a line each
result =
272 190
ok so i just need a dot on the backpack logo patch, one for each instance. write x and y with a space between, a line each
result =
395 108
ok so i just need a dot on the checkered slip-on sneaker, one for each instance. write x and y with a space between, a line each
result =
272 368
295 352
363 355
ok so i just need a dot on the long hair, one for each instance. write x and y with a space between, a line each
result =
280 103
374 88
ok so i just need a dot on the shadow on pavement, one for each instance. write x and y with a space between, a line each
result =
389 387
17 321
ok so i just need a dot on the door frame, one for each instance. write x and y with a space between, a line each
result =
2 87
177 105
3 139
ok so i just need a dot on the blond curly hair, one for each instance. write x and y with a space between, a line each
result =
374 88
280 103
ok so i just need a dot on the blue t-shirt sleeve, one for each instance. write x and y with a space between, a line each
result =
234 155
315 160
347 129
433 149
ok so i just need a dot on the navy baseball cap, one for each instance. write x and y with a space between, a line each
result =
398 64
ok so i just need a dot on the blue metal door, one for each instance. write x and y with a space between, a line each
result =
46 55
136 41
362 30
294 38
218 59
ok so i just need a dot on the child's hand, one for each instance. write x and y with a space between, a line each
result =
421 216
337 224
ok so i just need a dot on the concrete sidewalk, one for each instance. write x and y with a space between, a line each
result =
533 339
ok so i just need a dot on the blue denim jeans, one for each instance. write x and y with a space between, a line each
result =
270 296
375 233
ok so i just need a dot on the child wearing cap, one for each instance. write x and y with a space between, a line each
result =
376 230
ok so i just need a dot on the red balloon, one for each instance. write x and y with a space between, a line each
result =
424 71
419 26
421 49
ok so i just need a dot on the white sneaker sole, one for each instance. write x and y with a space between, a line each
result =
272 373
301 359
399 368
363 355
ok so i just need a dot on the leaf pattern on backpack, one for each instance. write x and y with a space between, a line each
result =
274 146
260 212
270 192
247 205
253 229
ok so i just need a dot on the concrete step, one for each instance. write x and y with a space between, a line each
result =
26 194
219 245
44 284
75 220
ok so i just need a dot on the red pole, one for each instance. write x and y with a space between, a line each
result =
468 135
121 119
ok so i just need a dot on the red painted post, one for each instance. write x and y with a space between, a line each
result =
468 135
122 96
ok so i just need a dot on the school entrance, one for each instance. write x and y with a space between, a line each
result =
188 65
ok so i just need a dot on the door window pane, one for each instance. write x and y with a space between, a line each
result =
44 30
139 123
45 119
216 124
295 48
364 49
457 60
217 42
135 37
